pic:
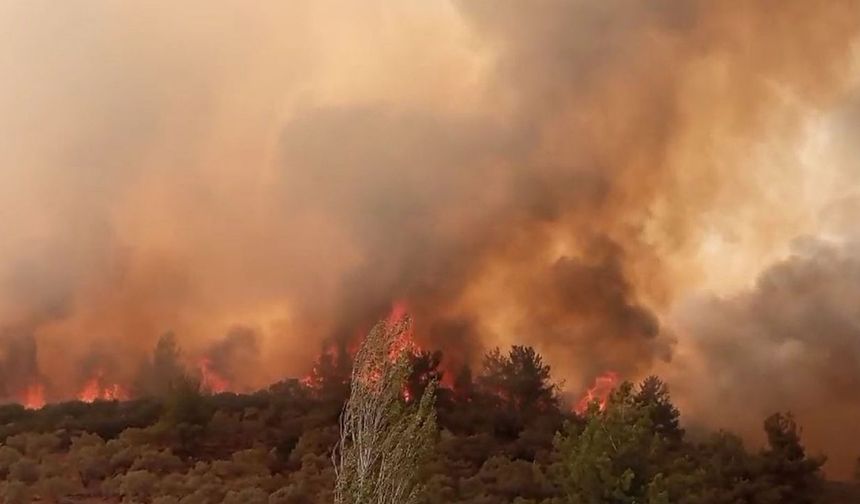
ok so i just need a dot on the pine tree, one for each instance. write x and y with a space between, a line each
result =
613 457
794 474
666 418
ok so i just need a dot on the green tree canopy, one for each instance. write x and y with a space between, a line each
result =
520 379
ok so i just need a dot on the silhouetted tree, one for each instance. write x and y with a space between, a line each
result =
857 470
520 379
186 413
665 417
330 376
796 476
159 375
424 371
464 385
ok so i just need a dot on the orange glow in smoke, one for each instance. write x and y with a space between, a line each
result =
96 389
210 379
34 396
603 386
404 343
399 310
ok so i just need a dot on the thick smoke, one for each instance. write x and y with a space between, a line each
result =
792 342
559 173
235 359
18 365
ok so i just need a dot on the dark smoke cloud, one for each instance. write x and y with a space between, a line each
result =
601 320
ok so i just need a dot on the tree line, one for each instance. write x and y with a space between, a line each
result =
381 428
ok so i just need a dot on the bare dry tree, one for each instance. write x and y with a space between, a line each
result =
383 438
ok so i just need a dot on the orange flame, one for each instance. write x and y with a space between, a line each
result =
603 386
309 380
210 379
90 391
313 379
96 389
399 310
404 342
34 396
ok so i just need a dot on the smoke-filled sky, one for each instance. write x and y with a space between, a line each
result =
632 186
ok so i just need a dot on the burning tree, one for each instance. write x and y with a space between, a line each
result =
383 437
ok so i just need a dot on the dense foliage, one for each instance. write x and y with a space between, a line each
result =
504 437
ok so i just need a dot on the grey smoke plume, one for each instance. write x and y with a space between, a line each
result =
792 342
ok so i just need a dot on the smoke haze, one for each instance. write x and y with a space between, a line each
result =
621 184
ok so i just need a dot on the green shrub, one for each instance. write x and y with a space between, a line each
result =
138 484
14 492
25 470
246 496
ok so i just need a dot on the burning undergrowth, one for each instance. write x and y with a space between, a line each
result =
223 365
227 365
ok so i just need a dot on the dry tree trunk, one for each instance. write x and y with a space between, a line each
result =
383 440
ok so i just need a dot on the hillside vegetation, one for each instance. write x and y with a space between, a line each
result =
503 437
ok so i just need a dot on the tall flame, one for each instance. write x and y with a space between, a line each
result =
599 391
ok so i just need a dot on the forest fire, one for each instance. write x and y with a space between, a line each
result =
599 391
661 188
331 369
405 341
336 359
210 380
332 358
98 389
34 396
